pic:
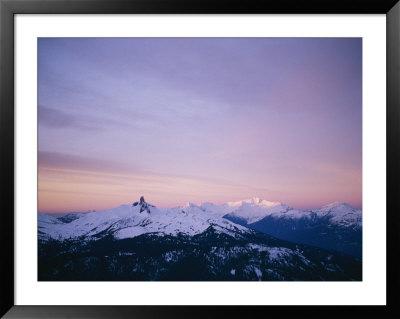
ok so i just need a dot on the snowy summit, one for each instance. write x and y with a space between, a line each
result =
127 221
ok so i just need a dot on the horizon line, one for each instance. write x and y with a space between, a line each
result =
202 203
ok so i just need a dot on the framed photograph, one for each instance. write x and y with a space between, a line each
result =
170 158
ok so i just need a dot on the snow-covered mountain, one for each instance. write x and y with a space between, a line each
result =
253 210
67 218
250 210
143 242
335 226
128 221
341 214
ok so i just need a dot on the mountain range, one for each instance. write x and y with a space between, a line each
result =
337 226
198 242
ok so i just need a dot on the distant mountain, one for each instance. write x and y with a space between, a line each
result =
45 222
70 217
143 242
337 226
128 221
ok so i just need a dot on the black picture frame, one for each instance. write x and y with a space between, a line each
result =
8 8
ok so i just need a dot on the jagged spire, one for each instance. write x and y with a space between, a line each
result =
143 205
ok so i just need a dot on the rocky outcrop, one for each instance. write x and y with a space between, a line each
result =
144 206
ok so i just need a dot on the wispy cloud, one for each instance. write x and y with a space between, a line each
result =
59 119
208 119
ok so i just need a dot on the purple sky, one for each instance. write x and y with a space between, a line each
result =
206 119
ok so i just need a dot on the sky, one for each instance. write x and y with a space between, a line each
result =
198 120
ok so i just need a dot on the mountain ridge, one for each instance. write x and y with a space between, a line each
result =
336 226
142 242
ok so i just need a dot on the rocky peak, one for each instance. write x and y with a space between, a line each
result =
144 206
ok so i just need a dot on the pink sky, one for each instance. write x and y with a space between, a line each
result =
199 120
